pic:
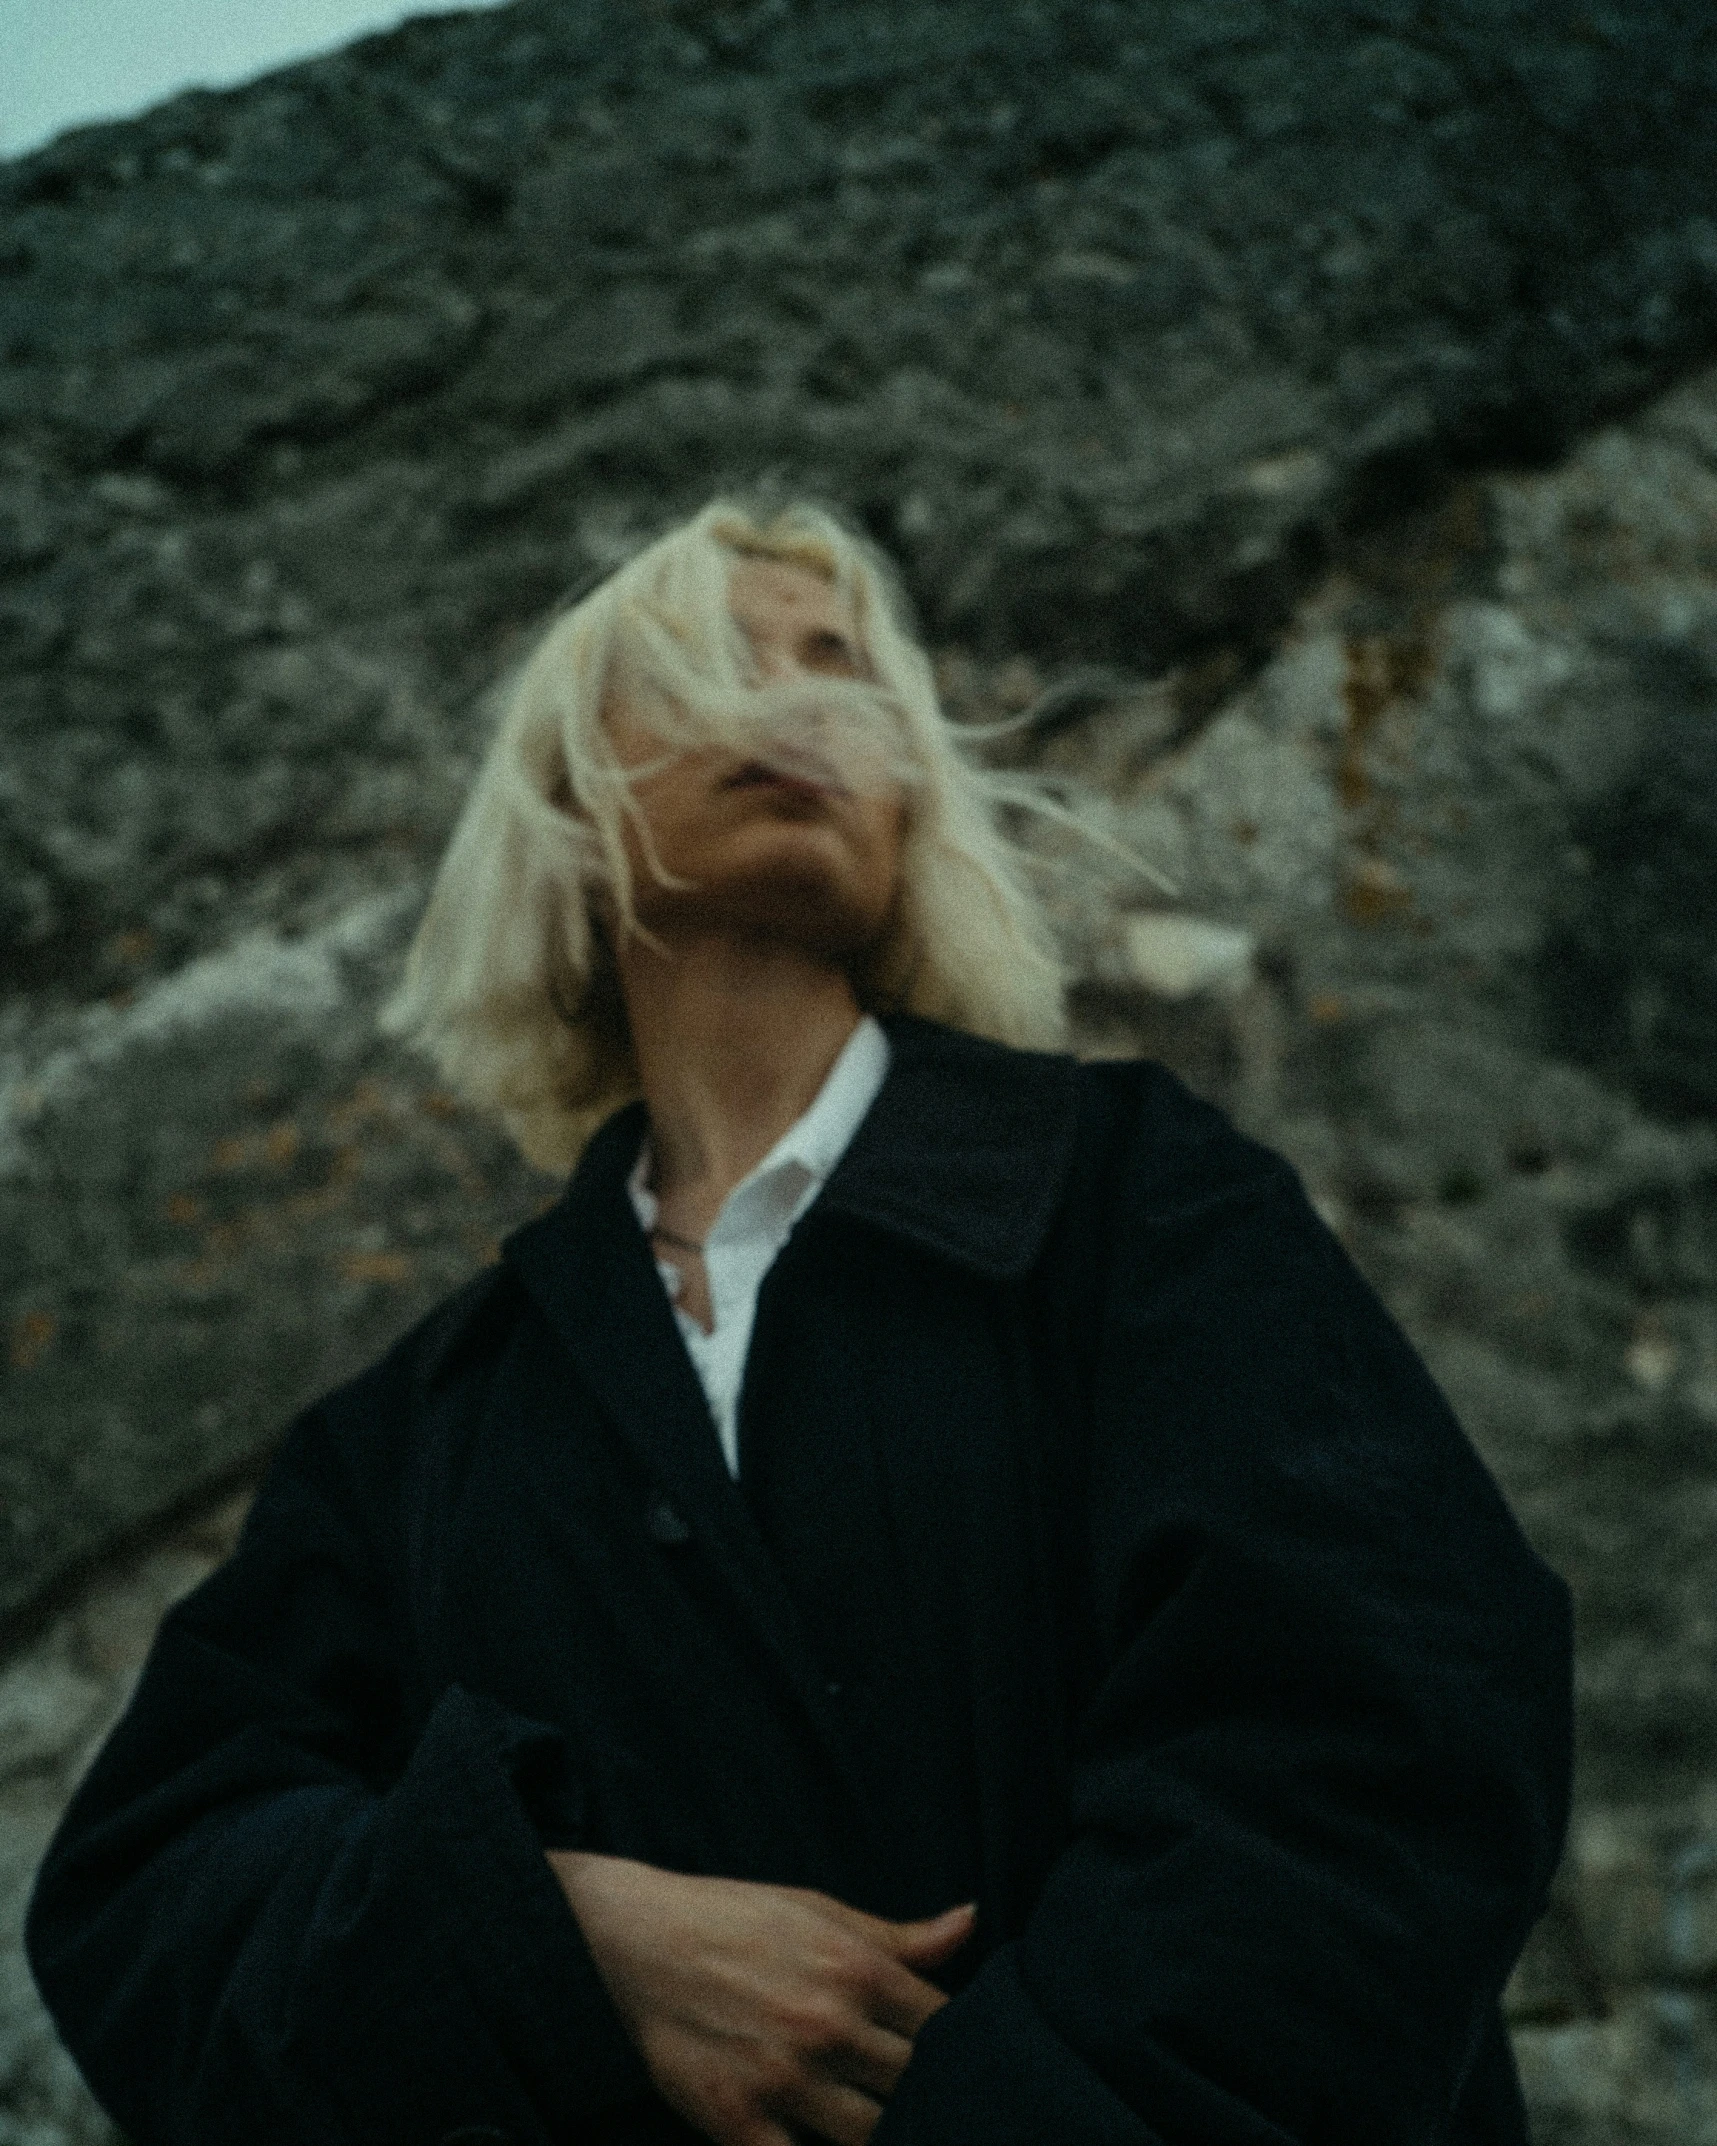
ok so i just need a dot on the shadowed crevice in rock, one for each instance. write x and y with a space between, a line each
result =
1630 976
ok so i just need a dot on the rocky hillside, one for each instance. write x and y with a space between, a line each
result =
1300 408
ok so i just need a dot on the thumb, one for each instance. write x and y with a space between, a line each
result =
936 1939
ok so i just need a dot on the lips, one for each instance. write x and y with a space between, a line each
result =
793 771
754 775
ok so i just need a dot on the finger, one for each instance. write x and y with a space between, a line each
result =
872 2059
939 1938
951 1928
834 2111
902 2000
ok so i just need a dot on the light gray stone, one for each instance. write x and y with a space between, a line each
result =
1181 957
46 1707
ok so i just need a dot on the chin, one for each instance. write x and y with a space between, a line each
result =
819 920
796 872
801 880
804 905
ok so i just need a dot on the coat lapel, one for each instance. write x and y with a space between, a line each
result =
589 1271
965 1153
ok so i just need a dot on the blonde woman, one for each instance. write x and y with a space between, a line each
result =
923 1602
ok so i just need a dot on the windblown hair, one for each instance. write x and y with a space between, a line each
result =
510 984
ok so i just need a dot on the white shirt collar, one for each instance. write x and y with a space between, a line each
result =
756 1219
774 1192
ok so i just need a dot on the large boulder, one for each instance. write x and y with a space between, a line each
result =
1105 318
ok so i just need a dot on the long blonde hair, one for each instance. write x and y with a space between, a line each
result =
509 984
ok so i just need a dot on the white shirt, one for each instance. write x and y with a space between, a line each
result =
756 1219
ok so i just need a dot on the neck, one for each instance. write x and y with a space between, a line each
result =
733 1039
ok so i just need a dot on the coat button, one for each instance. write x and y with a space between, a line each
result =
666 1526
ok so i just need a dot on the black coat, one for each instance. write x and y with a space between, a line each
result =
1102 1550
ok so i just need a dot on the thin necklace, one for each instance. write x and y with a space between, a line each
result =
668 1236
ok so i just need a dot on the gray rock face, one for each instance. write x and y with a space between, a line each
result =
218 1199
1255 392
1462 819
1102 317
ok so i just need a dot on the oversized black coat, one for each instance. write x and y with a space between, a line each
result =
1101 1550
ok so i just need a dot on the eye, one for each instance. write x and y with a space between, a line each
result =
825 650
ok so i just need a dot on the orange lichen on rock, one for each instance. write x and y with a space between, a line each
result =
31 1336
281 1143
390 1267
1374 894
1381 669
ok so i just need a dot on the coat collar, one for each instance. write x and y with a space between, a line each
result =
964 1153
966 1149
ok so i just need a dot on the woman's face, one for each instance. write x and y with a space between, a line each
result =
793 857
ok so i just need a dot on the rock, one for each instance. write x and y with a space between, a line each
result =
219 1199
57 1698
1536 1202
45 1710
1179 957
1630 977
1637 2078
411 338
42 2100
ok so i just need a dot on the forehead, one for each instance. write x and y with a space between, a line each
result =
775 595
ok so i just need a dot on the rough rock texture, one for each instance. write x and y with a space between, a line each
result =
1467 814
58 1699
1103 316
1259 393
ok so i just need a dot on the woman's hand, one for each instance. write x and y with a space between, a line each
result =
761 2011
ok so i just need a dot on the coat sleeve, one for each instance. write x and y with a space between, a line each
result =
1321 1785
288 1903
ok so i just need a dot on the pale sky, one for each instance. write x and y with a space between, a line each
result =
64 63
